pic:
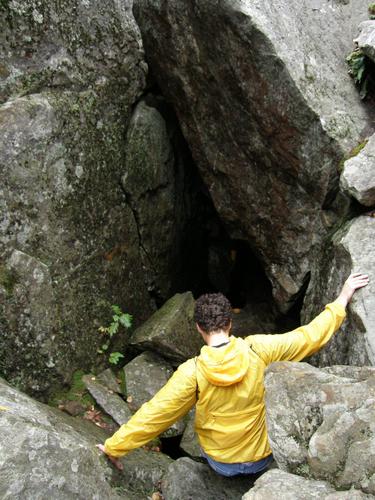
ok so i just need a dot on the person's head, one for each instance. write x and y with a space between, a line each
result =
213 313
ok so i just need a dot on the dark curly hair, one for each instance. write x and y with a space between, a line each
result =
212 312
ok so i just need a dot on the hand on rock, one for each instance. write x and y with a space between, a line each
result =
112 459
353 283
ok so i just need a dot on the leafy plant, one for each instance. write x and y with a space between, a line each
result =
357 69
362 69
119 318
371 11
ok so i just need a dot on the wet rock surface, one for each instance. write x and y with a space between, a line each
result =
272 167
69 245
152 183
321 424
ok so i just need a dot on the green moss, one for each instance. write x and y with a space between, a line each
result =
122 377
352 153
303 470
77 392
8 280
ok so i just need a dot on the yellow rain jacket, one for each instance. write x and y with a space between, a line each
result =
230 410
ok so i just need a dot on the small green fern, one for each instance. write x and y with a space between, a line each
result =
119 318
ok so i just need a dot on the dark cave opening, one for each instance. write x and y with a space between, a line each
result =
209 259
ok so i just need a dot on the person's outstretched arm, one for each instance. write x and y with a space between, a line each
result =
308 339
168 405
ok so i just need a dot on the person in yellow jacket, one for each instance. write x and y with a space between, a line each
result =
225 382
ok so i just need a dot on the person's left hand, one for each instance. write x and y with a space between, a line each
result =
116 462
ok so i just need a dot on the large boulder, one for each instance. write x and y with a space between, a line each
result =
321 423
267 115
351 250
45 454
276 484
152 183
145 375
69 243
357 178
171 331
143 471
187 479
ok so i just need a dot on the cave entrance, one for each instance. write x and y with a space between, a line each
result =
205 258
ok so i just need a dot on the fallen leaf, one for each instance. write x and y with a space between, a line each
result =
3 408
157 496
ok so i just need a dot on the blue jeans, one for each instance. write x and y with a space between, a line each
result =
238 468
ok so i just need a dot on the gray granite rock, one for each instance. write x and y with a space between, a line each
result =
366 38
189 442
193 480
321 425
151 188
351 250
171 331
111 402
278 484
143 471
46 454
358 176
144 376
108 378
267 115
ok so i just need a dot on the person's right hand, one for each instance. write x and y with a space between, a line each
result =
353 283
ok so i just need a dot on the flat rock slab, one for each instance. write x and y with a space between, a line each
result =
358 176
111 402
171 331
189 480
280 485
321 424
145 375
108 378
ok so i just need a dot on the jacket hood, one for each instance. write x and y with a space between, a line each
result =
225 365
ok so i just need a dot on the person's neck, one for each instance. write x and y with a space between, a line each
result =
217 338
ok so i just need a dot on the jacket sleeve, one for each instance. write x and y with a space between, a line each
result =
171 403
301 342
